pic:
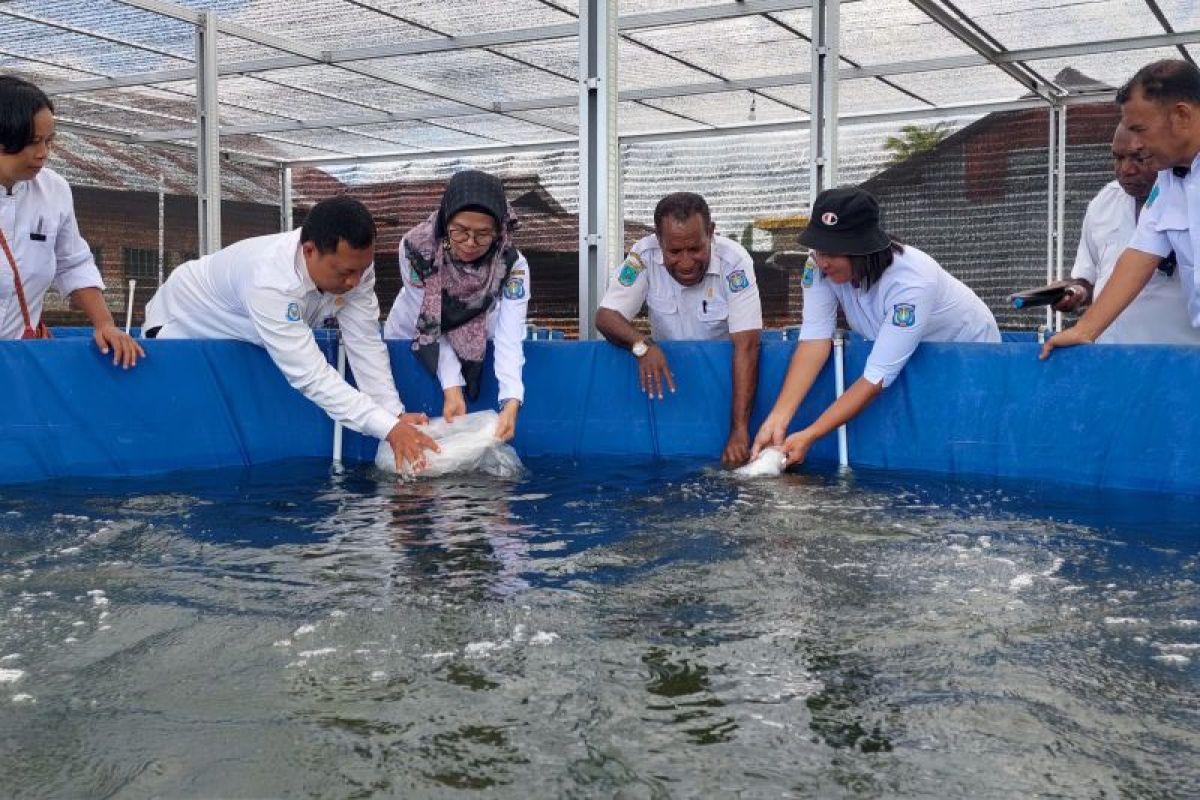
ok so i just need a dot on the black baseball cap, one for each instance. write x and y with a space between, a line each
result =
845 221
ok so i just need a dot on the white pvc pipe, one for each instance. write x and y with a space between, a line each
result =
337 426
129 305
839 377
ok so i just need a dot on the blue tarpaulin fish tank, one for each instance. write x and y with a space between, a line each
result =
997 599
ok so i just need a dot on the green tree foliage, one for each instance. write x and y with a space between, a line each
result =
913 140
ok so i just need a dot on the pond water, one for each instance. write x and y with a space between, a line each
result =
596 628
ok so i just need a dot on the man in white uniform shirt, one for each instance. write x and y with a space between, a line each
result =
696 286
1159 313
272 290
1160 107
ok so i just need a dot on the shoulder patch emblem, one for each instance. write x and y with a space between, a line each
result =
514 288
293 312
630 270
810 275
904 315
1153 196
737 280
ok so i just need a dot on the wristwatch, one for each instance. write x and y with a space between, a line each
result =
641 346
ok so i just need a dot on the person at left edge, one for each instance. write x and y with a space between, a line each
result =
696 285
271 290
37 217
465 282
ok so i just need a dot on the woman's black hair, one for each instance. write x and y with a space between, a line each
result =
20 100
868 269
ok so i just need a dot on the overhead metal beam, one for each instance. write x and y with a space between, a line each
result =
498 38
1015 70
680 134
448 111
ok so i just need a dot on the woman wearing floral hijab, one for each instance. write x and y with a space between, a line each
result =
465 282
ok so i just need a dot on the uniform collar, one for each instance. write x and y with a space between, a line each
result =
306 281
19 190
1182 172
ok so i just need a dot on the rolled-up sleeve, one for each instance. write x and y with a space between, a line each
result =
294 349
75 266
368 355
819 317
908 312
745 305
509 336
627 287
1150 236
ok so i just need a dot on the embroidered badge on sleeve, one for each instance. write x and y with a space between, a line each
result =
737 281
904 315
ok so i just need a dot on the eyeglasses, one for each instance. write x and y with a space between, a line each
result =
462 236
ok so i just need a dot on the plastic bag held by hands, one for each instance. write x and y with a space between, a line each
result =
769 463
468 444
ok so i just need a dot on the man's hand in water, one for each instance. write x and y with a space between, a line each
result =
409 446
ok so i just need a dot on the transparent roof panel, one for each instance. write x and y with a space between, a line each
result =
1111 69
743 47
86 52
501 129
328 24
966 85
639 118
39 71
477 74
426 136
1184 15
864 96
461 19
1021 24
560 56
726 108
909 34
640 68
798 97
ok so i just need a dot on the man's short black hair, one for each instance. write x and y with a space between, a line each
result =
1168 81
336 218
680 206
19 101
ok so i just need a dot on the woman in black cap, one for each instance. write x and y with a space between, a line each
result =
891 293
465 282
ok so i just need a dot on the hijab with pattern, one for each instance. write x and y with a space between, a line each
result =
457 294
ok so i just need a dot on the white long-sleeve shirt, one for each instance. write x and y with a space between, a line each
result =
1158 315
38 220
505 327
914 301
259 291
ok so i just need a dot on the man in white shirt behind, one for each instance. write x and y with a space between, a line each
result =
273 290
1159 313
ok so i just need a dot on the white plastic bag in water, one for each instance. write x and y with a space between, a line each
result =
769 463
468 444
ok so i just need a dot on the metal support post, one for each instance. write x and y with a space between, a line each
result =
285 200
601 234
823 132
208 143
839 377
1055 168
1060 215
